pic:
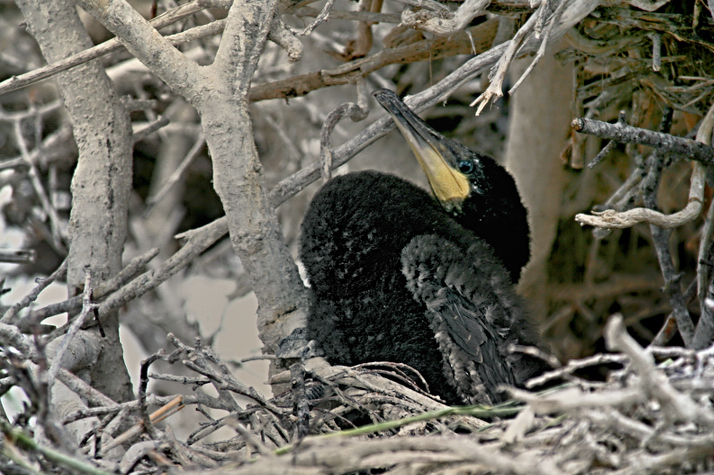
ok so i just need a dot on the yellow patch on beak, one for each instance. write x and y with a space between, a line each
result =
449 184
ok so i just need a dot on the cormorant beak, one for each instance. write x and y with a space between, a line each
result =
437 155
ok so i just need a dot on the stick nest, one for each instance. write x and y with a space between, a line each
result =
654 414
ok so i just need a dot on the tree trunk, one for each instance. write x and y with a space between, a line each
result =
102 180
252 222
540 117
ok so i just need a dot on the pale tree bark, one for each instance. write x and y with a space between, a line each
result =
219 94
540 116
102 180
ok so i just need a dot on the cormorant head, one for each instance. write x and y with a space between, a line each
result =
455 173
473 187
448 164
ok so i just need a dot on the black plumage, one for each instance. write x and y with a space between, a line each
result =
399 276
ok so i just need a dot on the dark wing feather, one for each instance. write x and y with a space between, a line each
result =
464 295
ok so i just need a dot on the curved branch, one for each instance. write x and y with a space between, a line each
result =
699 150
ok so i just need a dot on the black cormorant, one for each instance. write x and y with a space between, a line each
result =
399 276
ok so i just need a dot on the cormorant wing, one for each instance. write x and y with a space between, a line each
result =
462 292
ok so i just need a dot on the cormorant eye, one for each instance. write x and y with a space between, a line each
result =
466 166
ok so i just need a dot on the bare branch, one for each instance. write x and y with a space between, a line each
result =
197 243
58 234
42 284
27 79
75 303
147 44
154 126
321 18
463 15
237 56
356 112
176 175
494 89
167 409
88 309
621 132
612 219
475 40
284 37
544 42
523 42
17 256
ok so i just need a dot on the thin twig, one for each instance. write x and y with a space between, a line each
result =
545 7
154 126
102 290
58 236
494 89
574 365
610 145
222 382
143 384
669 328
17 256
249 437
27 79
652 382
356 112
321 18
649 187
42 284
435 23
176 175
173 405
88 308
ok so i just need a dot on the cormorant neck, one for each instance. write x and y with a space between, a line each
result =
503 224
